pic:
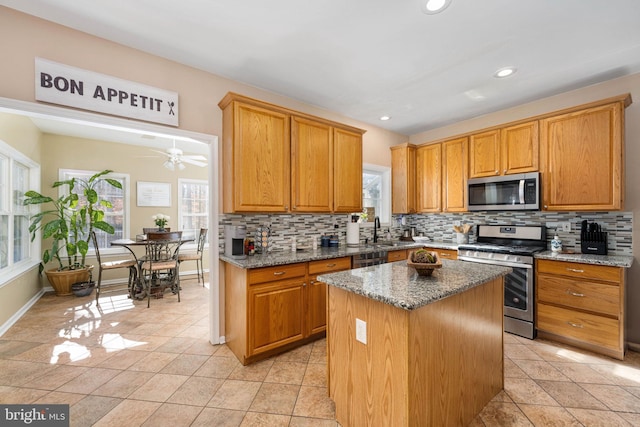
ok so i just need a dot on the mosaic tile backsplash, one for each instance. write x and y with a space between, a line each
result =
307 227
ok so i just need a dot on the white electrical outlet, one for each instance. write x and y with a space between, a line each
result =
361 331
565 226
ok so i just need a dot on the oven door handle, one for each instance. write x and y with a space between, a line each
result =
494 262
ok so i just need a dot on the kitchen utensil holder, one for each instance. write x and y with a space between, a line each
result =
594 243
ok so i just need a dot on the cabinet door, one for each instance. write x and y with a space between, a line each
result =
484 154
444 253
429 178
581 154
454 175
276 314
403 179
261 159
317 308
347 171
520 148
311 165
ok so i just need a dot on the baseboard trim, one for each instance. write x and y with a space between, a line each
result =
23 310
633 346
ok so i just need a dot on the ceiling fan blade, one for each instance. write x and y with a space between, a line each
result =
161 152
194 162
195 157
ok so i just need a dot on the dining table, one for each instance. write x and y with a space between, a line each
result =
137 290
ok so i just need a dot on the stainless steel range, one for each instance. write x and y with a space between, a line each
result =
511 246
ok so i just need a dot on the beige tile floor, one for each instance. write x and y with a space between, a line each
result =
126 365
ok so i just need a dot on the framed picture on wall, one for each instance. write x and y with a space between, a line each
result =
154 194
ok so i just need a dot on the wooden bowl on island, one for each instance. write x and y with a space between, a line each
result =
424 268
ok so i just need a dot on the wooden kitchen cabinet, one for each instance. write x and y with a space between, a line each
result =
429 178
403 179
582 158
504 151
317 292
444 253
311 166
520 148
581 305
484 154
347 171
280 160
454 175
393 256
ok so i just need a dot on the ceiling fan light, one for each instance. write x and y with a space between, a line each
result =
180 166
169 165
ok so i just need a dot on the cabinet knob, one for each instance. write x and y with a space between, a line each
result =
545 206
504 172
312 282
497 172
304 284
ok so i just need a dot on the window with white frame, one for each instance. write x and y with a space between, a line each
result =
118 215
376 191
18 174
193 206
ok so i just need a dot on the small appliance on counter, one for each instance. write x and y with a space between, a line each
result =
234 236
592 239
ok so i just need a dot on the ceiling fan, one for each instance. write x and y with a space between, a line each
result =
177 159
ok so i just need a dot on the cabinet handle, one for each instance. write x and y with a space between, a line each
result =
286 207
312 282
575 325
575 294
497 172
545 206
331 265
505 172
304 284
279 273
444 254
293 207
575 270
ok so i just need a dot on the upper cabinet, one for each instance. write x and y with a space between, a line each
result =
256 153
429 178
279 160
513 149
520 151
403 179
347 171
582 158
311 165
454 175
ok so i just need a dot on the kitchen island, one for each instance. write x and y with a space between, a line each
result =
409 350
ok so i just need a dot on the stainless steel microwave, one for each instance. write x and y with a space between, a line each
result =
504 193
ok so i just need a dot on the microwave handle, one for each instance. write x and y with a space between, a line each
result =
521 192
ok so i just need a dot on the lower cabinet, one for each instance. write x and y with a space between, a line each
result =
272 309
444 253
393 256
582 305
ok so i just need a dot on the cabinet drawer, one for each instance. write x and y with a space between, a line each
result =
591 296
278 272
396 256
445 253
328 265
581 271
590 328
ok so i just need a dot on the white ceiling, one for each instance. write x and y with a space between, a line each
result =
368 58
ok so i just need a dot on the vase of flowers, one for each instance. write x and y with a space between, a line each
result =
161 221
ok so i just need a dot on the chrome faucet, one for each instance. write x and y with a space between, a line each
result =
376 226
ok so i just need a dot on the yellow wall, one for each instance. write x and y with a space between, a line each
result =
21 134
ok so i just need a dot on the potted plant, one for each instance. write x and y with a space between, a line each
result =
69 224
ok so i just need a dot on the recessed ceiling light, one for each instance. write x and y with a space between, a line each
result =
385 118
431 7
504 72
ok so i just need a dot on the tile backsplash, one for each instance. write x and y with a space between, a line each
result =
306 227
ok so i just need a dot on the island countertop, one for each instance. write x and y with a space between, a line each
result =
400 285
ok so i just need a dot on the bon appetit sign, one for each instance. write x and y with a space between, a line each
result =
74 87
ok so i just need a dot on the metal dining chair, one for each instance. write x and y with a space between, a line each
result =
112 265
197 256
160 269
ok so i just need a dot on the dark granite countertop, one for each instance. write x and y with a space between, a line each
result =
400 285
610 260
